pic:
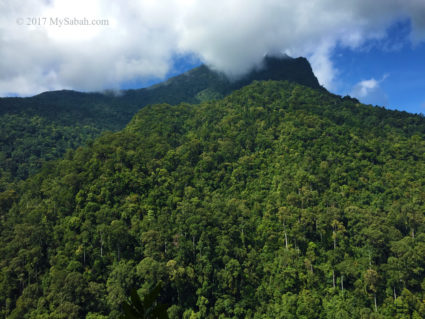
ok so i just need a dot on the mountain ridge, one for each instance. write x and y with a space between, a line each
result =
283 68
42 127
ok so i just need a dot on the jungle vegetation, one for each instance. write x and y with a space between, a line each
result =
277 201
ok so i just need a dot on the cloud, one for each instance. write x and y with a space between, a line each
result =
370 92
143 37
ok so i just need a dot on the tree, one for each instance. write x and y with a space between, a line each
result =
148 308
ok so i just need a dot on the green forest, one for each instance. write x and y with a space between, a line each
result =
277 201
41 128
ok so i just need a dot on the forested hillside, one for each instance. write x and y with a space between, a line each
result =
278 201
41 128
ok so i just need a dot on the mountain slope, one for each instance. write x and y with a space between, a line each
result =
42 127
278 201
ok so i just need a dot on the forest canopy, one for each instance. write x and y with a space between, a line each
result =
277 201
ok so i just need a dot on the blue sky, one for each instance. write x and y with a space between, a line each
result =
396 64
393 65
398 69
372 50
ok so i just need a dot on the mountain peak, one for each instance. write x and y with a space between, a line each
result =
202 83
283 68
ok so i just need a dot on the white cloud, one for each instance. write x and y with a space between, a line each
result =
370 92
143 36
322 64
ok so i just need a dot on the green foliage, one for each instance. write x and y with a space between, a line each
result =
42 128
147 308
278 201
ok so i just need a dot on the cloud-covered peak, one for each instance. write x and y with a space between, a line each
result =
139 39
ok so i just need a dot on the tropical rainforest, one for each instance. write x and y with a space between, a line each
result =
41 128
277 200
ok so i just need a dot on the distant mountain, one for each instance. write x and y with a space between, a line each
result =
196 85
203 84
42 127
